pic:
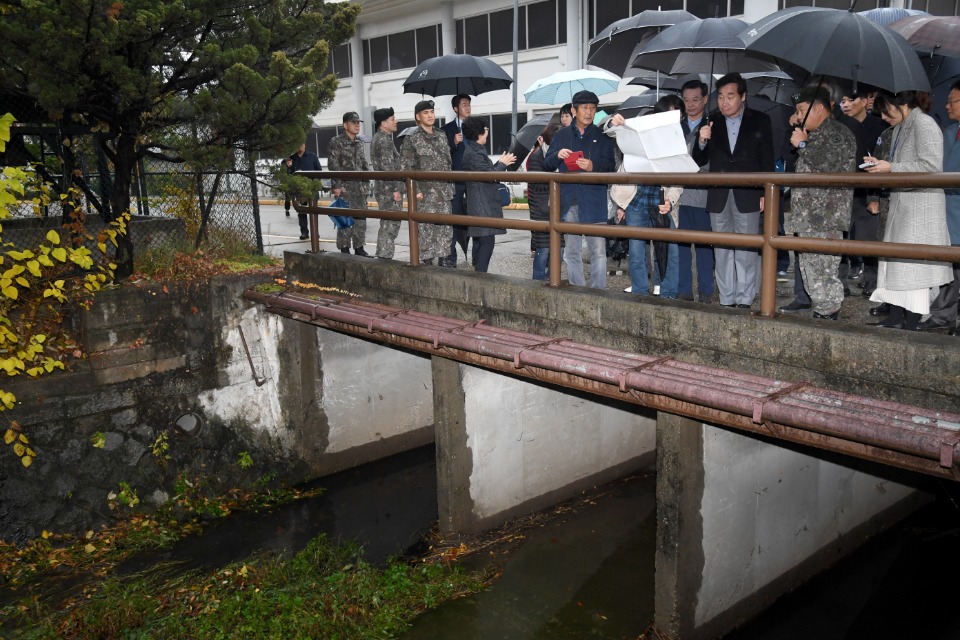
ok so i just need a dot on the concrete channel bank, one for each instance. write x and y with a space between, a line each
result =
741 519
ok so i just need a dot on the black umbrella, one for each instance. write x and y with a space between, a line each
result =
931 34
527 137
888 15
660 248
453 74
641 104
777 86
611 49
838 43
701 46
656 80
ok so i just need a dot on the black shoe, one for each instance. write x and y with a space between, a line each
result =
846 291
827 316
882 310
288 212
729 306
932 325
685 296
868 291
796 305
361 252
428 261
891 324
304 236
743 306
345 250
954 332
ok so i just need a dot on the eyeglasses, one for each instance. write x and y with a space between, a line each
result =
688 100
952 101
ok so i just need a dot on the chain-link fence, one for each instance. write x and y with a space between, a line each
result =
171 206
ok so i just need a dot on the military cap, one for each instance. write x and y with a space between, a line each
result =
351 116
423 105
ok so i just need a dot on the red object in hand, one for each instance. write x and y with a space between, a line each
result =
571 160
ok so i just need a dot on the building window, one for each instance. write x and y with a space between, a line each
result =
541 24
339 62
403 50
939 7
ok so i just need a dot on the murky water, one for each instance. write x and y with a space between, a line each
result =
585 574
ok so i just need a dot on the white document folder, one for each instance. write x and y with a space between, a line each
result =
655 144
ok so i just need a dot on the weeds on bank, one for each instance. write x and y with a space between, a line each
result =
184 263
324 591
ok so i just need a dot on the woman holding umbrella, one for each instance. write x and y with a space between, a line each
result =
483 198
916 215
539 201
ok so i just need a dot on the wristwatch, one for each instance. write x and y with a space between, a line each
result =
801 144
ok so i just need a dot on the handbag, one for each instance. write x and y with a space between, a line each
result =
505 196
341 222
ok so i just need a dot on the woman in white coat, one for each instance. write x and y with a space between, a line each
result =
917 216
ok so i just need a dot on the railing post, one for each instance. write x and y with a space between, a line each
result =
411 225
554 218
768 261
314 223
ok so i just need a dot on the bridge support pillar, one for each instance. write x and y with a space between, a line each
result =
741 521
507 446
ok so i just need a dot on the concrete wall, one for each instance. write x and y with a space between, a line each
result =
507 446
305 403
922 369
742 521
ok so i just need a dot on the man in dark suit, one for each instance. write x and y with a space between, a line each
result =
693 202
736 140
453 129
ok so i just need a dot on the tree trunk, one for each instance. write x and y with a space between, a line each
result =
124 161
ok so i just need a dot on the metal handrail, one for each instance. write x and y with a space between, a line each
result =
768 241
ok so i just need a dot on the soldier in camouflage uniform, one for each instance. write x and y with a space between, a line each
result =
823 146
426 149
345 153
389 193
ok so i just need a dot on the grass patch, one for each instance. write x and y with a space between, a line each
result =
185 263
324 591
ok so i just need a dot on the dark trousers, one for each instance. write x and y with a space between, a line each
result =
695 219
482 250
866 226
458 207
944 308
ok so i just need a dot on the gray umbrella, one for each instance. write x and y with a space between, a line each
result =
613 47
841 44
701 46
527 136
641 104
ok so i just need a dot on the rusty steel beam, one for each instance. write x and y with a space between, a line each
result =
890 433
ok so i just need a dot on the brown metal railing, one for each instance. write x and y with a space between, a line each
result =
767 241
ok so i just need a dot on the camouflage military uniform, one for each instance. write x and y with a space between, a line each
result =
422 151
821 212
385 157
345 154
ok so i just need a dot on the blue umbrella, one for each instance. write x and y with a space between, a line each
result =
888 15
560 87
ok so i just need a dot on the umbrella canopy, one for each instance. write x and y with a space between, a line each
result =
888 15
701 46
611 49
931 34
560 87
453 74
641 104
657 80
841 44
777 86
527 137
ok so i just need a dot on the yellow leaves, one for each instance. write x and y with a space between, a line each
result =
89 548
26 461
8 399
9 436
33 266
44 534
60 254
53 237
19 449
11 292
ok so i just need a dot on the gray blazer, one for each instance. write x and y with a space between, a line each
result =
483 199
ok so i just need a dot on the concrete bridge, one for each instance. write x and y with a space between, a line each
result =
779 444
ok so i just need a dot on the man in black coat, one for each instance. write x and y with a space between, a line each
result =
303 160
454 131
736 140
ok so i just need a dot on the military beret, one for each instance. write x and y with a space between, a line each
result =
382 114
423 105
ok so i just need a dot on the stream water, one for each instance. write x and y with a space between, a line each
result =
588 571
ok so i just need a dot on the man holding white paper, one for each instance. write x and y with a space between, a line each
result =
583 147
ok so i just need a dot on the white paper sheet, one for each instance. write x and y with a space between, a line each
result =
655 144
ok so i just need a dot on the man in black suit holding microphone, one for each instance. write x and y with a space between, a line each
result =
736 140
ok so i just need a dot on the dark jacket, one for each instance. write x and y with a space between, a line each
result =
597 146
538 199
753 153
308 162
483 198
